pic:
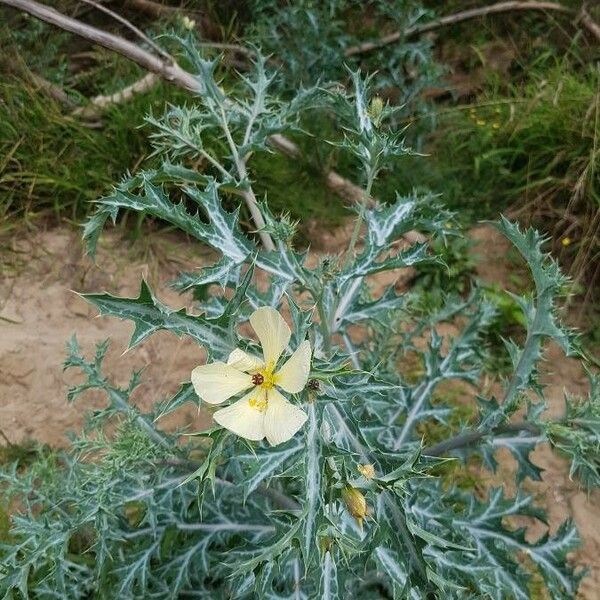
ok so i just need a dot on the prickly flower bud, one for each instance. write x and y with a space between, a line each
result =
367 471
376 110
355 502
283 229
325 544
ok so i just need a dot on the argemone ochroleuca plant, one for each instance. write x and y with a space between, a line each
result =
359 490
264 411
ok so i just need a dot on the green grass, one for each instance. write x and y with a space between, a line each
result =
55 165
528 142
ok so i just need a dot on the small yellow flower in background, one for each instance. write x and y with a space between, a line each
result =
496 125
566 241
480 122
264 411
367 471
188 23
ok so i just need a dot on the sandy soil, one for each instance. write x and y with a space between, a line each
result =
39 313
557 493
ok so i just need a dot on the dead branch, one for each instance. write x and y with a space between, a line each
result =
53 90
455 18
152 9
171 72
586 20
162 11
136 30
101 102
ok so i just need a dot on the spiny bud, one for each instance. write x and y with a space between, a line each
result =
367 471
283 229
134 512
355 502
325 543
376 110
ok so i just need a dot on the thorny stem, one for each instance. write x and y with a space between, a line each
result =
468 438
323 324
360 218
248 195
397 516
273 494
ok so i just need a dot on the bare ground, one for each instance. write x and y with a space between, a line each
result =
39 313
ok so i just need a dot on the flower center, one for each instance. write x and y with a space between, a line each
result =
265 378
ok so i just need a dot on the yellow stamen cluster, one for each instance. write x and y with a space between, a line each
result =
259 402
265 378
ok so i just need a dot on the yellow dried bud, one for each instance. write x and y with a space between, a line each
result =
134 512
376 108
355 502
325 543
367 471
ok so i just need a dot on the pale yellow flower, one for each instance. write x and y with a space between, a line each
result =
263 411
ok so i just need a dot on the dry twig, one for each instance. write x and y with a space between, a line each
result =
586 20
171 72
464 15
101 102
136 30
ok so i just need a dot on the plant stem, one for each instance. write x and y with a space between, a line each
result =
324 324
415 558
8 442
248 195
468 438
360 218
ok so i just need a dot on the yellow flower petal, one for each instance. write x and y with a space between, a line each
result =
246 417
282 419
272 331
243 361
292 377
215 382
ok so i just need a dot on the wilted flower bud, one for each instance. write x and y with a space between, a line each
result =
325 543
367 471
134 512
355 502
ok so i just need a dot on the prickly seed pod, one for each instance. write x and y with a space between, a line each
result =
355 502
